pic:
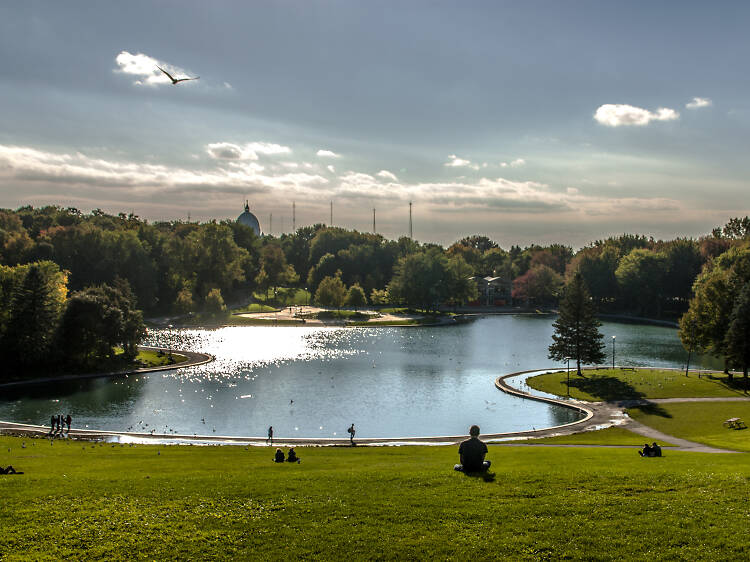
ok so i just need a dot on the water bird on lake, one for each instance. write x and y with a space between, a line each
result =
176 80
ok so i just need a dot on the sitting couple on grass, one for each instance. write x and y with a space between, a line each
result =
650 450
292 457
471 453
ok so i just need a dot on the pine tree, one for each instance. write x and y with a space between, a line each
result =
577 333
737 341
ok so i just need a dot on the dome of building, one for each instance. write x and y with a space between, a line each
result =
249 219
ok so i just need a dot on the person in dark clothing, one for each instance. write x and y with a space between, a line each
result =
646 451
351 432
292 456
471 453
68 421
9 470
279 456
270 435
655 450
52 424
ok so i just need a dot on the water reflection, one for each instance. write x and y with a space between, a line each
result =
315 382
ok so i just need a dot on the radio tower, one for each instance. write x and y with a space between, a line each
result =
411 233
373 221
331 213
294 217
270 224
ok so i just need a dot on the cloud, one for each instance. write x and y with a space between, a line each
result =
249 151
331 168
615 115
144 66
385 174
514 164
456 162
327 154
81 176
697 103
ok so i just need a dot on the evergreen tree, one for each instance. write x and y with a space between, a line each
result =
737 341
577 333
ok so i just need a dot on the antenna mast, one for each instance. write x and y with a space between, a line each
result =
294 217
331 213
411 233
270 224
373 221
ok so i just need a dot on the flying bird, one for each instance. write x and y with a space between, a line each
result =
175 80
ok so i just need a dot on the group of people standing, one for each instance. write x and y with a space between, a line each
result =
57 422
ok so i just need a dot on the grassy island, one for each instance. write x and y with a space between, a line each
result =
640 383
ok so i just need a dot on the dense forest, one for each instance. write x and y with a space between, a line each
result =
177 267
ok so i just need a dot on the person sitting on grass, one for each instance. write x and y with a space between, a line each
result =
646 451
292 456
279 456
9 470
655 450
471 453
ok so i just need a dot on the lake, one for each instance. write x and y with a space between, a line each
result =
316 381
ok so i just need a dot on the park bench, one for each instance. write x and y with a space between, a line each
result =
735 423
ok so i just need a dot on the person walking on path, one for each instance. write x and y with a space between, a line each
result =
471 453
68 421
270 435
351 434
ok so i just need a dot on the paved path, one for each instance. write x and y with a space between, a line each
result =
608 414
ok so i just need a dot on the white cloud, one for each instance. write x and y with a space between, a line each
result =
385 174
697 103
456 162
249 151
331 168
615 115
572 190
327 154
144 66
514 164
228 86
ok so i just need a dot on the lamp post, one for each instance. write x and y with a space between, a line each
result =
690 348
169 355
568 376
613 353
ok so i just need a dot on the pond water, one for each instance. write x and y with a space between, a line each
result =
316 381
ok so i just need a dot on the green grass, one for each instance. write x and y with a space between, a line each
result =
78 501
255 307
608 436
699 422
285 296
150 358
607 384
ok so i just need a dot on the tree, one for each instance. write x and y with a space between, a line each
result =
737 340
541 284
379 296
577 333
214 304
356 297
641 276
331 292
35 310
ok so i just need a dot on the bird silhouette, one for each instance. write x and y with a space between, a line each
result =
175 80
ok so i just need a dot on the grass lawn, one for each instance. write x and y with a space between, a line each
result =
285 296
82 501
255 307
699 422
151 358
641 383
609 436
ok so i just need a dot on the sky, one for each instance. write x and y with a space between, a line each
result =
528 122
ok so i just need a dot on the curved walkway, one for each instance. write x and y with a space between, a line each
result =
193 358
607 414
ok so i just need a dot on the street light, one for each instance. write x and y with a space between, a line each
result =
568 376
613 353
170 341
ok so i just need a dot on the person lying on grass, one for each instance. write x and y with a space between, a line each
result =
471 453
9 470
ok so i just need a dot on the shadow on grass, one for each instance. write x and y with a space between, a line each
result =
612 389
486 475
